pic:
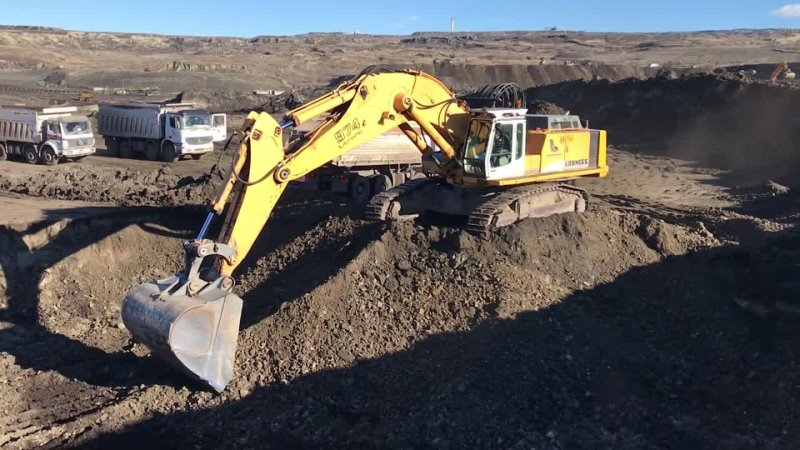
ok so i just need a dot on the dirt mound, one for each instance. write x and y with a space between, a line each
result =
542 107
466 76
551 333
120 186
697 118
373 292
234 101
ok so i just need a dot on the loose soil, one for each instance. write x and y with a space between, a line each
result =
663 317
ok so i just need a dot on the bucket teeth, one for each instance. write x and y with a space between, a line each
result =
195 334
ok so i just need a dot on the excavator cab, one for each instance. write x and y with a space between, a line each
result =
495 145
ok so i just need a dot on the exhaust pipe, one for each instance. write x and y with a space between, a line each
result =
191 323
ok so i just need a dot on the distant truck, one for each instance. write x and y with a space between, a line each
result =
46 135
164 131
373 167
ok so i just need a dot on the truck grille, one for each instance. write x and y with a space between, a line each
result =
198 140
80 142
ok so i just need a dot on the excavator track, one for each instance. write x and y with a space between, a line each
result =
515 204
485 213
381 206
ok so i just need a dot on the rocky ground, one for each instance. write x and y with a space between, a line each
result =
662 317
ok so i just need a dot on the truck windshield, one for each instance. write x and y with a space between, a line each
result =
76 127
476 146
190 121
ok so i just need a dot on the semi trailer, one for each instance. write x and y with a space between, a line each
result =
46 135
165 131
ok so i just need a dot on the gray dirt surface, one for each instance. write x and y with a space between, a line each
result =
119 186
663 317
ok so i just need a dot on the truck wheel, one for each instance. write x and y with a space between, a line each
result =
31 154
381 183
113 147
3 152
168 152
197 157
359 189
125 149
49 156
151 151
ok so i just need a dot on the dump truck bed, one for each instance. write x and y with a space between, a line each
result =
136 120
390 148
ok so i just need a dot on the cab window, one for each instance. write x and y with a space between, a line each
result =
475 147
501 145
519 144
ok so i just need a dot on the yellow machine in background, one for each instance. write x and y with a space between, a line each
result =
782 71
494 166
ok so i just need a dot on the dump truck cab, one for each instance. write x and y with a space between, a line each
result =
69 137
194 131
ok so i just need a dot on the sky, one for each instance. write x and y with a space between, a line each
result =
248 18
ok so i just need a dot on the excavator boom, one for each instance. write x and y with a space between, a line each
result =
192 318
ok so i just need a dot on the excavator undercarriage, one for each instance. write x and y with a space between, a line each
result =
485 209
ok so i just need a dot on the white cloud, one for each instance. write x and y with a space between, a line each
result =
416 18
791 10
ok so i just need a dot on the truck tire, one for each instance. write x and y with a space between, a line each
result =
168 152
197 157
125 149
48 156
359 189
3 152
112 147
31 154
151 151
380 183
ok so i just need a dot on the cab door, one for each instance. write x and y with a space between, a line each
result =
172 128
219 127
506 158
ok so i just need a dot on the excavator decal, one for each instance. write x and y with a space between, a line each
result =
348 131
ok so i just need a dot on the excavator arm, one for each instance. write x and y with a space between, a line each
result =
192 319
359 111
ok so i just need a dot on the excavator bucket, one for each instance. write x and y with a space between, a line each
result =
190 323
197 336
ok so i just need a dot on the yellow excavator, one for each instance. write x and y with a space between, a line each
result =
782 71
493 165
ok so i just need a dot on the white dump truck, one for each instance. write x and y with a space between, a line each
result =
373 167
164 131
47 134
